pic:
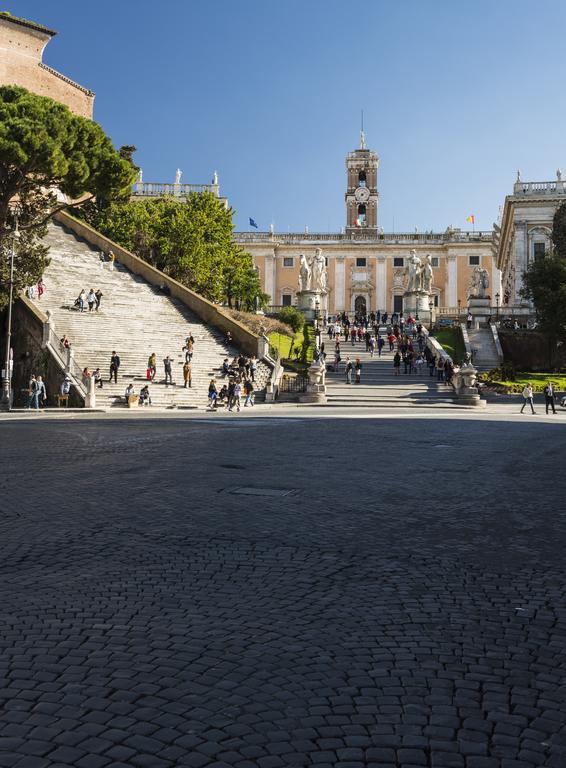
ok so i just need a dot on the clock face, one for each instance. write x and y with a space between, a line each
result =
362 194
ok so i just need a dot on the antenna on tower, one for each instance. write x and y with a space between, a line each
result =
362 134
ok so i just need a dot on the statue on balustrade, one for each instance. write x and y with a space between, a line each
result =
178 174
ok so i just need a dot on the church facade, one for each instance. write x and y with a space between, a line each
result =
367 267
22 43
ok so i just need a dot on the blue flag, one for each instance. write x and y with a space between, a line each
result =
252 223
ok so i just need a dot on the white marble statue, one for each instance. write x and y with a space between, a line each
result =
318 269
426 275
215 178
414 268
178 174
140 176
304 274
480 283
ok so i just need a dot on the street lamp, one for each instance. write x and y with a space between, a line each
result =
497 297
459 312
430 307
6 402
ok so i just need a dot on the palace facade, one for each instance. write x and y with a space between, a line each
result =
366 266
525 232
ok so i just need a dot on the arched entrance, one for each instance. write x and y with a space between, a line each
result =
360 305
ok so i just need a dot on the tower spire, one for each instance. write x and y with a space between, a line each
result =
362 134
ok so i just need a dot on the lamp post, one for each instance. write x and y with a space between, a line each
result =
459 311
497 297
430 307
6 402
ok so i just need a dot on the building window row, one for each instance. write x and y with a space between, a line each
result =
399 261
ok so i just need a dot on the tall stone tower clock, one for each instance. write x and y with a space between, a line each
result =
361 193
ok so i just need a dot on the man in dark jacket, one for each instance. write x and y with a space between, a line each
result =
114 365
549 397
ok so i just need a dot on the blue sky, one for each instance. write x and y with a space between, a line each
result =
457 96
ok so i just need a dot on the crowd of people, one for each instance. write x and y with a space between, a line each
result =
239 379
403 336
89 298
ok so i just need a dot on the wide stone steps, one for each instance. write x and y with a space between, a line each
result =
135 319
380 387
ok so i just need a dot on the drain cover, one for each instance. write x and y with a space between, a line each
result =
263 491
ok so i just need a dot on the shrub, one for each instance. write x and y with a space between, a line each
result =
291 316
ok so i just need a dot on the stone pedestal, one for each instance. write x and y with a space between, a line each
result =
417 303
307 303
464 381
90 400
316 388
480 310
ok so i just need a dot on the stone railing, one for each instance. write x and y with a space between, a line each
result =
539 188
208 312
295 238
155 189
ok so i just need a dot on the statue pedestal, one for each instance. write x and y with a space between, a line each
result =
307 302
479 309
316 388
417 303
464 381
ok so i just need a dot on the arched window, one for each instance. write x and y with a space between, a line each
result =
362 179
361 220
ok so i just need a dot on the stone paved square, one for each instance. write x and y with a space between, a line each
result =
403 607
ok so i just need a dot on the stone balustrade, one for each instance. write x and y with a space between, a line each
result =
375 236
539 188
158 189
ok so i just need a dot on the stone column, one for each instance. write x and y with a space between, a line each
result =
269 267
70 359
496 284
452 281
46 329
381 283
520 259
90 400
339 285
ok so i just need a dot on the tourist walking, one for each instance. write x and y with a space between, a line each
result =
188 348
152 367
249 392
91 300
549 397
98 298
237 393
380 345
114 365
349 368
41 392
528 397
188 374
358 369
168 371
371 346
212 394
397 363
40 288
33 399
80 300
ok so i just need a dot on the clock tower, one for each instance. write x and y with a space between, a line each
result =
361 192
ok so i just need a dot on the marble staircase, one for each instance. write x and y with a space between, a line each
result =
135 319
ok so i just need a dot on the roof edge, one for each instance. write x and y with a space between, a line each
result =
6 16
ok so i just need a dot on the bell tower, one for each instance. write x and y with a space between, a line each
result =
361 192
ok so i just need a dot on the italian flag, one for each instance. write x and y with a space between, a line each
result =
471 219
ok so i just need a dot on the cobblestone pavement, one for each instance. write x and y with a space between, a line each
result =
404 606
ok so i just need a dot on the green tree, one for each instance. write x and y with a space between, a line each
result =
544 283
559 231
47 152
190 241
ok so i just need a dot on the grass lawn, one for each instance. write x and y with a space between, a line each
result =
303 340
538 381
452 342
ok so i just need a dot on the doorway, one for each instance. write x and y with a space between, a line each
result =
397 304
360 305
